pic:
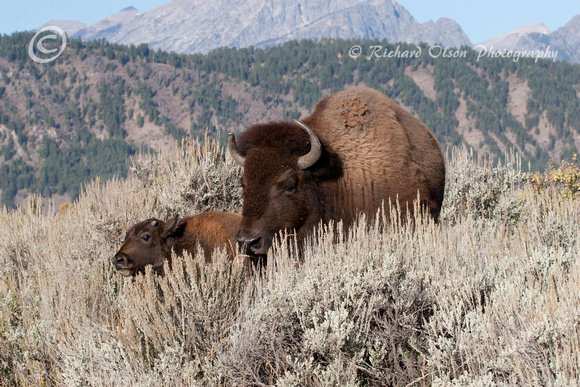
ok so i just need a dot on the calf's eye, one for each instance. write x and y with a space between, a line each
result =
290 188
146 237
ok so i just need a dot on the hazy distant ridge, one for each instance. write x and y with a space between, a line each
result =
194 26
188 26
536 36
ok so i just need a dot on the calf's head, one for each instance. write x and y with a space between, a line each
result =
146 243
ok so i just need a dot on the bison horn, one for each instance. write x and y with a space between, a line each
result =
234 152
311 157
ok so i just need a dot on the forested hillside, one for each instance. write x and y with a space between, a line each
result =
65 122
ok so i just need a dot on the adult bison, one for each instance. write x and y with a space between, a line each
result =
356 150
150 242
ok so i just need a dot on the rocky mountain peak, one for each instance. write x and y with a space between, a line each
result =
187 26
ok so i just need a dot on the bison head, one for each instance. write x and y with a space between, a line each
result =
146 243
284 164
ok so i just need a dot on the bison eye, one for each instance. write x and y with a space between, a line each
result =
290 188
146 237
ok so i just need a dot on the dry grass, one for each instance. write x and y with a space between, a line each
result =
491 296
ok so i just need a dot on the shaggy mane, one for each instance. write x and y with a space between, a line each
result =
284 136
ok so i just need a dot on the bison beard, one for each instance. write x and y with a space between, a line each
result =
356 150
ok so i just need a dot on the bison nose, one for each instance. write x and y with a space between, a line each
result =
250 246
119 261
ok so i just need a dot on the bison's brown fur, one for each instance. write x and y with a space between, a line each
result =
150 242
372 151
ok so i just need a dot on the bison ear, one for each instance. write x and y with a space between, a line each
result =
173 228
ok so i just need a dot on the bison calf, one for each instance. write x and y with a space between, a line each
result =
150 242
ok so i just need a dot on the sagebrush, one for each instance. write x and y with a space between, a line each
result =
489 296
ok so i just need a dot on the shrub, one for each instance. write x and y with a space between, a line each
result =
490 295
475 187
564 179
353 312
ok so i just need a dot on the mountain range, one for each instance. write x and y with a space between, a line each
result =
536 36
188 26
194 26
64 124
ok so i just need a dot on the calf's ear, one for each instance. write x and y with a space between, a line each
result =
173 228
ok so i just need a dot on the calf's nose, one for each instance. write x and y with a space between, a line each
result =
119 260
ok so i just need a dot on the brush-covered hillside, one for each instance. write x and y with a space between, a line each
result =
489 296
81 116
